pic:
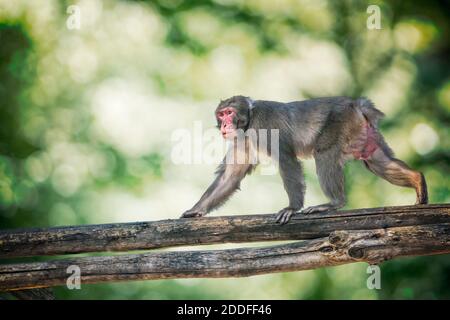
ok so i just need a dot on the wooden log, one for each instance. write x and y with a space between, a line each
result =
209 230
340 247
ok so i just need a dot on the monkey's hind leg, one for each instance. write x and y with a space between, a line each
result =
384 165
330 170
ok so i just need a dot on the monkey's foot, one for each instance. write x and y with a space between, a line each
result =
193 214
422 199
284 215
321 208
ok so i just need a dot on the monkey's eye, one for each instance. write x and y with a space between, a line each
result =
220 114
229 112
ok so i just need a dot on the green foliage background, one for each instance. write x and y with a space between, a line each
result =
86 117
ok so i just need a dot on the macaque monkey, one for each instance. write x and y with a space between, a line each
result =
332 130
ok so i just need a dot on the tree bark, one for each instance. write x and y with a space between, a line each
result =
210 230
340 247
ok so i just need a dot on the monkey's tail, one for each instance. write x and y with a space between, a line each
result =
368 110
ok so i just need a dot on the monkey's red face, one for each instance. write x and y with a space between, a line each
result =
233 116
227 118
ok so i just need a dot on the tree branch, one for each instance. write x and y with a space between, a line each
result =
210 230
340 247
371 235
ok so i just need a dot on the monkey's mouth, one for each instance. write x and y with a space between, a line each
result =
229 134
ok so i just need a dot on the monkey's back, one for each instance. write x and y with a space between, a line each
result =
314 124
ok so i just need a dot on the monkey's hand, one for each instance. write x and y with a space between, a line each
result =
284 215
193 213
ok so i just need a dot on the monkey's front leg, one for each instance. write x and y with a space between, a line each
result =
228 179
293 181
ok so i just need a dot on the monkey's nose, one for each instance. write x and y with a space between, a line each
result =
224 128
